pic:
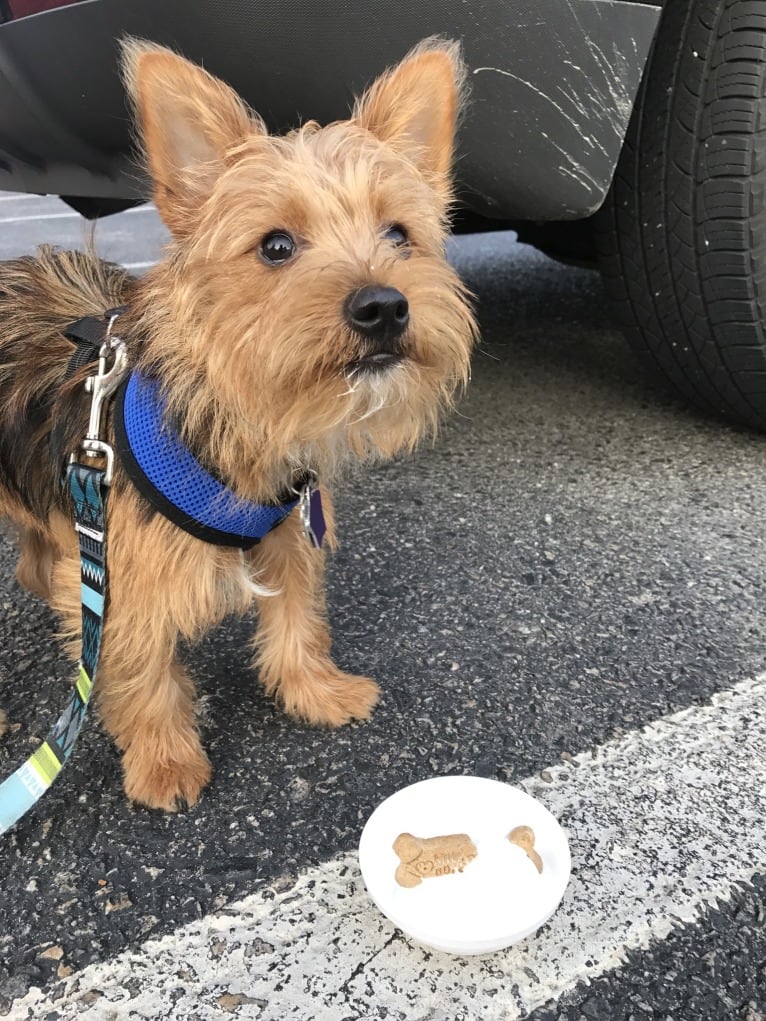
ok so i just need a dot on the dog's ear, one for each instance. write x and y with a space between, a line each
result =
414 107
188 121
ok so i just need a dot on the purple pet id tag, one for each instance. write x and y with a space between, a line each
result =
312 515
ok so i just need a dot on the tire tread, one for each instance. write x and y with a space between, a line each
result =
681 236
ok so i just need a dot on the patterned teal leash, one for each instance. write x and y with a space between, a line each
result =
89 488
31 780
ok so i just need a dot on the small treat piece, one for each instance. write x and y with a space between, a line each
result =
423 857
524 837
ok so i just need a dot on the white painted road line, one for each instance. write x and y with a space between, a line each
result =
67 216
661 823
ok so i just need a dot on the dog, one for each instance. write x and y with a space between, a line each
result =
303 317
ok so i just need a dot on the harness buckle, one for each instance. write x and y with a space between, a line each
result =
112 369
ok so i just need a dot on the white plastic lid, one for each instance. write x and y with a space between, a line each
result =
500 896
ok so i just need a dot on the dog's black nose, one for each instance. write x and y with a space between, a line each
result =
379 313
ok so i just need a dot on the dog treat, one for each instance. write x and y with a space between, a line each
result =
423 857
524 837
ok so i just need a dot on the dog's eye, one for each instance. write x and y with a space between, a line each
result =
397 235
277 247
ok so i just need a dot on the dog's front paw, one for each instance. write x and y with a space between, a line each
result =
330 698
165 783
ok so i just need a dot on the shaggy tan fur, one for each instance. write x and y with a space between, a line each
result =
256 361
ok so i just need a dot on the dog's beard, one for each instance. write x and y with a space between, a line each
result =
373 388
383 413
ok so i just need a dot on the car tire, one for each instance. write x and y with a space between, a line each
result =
682 235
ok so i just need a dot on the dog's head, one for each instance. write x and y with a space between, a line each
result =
305 300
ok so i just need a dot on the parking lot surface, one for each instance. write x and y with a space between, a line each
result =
565 592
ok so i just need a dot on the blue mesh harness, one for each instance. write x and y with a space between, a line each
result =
165 471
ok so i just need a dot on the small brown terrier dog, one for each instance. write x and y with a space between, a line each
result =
303 316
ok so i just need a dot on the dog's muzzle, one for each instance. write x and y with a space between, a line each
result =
379 315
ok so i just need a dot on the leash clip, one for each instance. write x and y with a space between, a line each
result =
112 369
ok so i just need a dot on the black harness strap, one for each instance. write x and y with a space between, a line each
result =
88 334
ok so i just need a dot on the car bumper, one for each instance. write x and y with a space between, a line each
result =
552 85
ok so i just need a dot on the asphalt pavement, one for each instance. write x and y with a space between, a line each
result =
578 558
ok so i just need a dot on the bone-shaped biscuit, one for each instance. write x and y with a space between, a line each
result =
524 837
423 857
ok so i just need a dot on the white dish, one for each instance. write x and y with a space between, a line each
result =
499 897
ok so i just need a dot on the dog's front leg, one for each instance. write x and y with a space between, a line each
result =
293 640
145 697
37 555
147 703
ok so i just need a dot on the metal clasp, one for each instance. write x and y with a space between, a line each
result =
112 369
